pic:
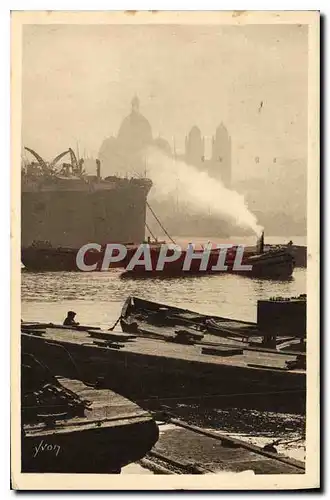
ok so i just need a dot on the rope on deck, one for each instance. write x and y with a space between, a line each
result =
215 396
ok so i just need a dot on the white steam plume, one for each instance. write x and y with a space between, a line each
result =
198 190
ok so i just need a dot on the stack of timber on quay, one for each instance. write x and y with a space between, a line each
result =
71 426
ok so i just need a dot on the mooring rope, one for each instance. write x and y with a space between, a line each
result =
159 222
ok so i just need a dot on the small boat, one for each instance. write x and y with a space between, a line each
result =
279 320
275 264
70 426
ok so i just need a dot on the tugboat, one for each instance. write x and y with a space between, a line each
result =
70 426
273 263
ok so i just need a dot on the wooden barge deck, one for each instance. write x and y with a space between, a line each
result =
279 321
95 431
150 369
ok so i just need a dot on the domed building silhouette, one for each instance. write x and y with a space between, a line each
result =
126 153
135 129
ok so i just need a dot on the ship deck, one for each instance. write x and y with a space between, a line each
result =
112 432
246 357
107 408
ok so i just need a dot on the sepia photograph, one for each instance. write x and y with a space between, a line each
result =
165 251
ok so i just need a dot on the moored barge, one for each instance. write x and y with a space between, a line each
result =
69 426
146 369
279 320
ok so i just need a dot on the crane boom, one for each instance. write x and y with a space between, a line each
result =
58 157
41 161
74 161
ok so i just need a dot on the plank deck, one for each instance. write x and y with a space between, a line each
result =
106 407
161 348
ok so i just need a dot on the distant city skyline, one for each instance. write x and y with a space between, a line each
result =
78 82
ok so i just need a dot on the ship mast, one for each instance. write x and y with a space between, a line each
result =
177 178
78 155
145 166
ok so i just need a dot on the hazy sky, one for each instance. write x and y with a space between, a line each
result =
78 81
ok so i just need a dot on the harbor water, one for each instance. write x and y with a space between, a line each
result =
97 299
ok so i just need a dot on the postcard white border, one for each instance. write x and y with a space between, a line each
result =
187 482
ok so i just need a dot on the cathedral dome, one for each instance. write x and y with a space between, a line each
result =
135 130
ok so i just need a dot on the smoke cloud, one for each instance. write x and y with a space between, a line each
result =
198 190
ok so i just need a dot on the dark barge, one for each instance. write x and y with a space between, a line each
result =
280 321
149 369
69 426
275 264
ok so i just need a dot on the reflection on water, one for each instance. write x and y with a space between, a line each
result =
226 294
98 297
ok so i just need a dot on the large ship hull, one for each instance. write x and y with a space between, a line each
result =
69 213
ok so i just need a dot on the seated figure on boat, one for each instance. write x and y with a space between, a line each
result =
69 320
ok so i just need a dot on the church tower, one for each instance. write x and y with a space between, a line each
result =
220 167
194 154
